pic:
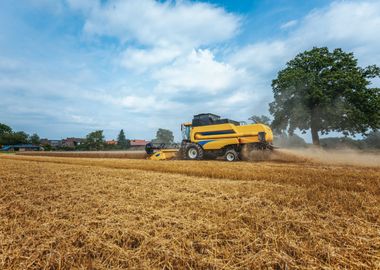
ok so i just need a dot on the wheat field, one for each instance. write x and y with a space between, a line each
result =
87 154
82 213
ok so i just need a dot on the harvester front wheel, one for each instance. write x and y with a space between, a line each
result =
231 155
193 151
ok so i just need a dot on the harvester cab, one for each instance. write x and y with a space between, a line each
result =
186 129
209 136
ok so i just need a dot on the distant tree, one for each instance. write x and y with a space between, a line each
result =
34 139
47 147
164 136
5 134
14 138
122 141
4 129
325 91
263 119
94 140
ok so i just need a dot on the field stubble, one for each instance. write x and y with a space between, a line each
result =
109 213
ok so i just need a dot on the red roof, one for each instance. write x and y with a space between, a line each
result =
138 142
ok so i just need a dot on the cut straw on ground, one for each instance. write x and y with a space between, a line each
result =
65 213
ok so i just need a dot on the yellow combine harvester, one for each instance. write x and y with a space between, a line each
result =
208 137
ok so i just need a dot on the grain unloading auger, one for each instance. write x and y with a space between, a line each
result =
209 137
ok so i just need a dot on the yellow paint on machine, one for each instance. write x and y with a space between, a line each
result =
213 137
164 154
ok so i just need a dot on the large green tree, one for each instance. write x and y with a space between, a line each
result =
94 140
323 91
164 136
122 141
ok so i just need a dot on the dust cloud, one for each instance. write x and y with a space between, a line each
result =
333 157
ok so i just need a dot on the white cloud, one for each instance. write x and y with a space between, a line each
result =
262 57
198 72
353 26
142 59
81 119
157 23
147 103
138 101
353 22
289 24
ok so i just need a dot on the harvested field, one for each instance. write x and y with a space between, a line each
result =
63 213
88 154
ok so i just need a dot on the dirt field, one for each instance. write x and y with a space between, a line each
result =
64 213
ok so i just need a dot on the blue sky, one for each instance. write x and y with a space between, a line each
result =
68 67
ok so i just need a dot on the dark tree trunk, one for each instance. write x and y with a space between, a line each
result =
314 127
315 136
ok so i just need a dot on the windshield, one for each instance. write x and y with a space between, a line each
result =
185 132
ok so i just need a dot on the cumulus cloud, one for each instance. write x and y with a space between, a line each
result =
198 72
352 26
138 101
159 23
262 57
141 60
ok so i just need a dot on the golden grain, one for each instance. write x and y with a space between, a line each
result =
64 213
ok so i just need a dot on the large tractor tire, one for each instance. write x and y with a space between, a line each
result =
231 155
192 151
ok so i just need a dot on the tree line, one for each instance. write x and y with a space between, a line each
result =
10 137
95 140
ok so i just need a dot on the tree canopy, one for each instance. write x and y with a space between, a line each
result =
34 139
9 137
5 129
94 140
164 136
13 138
325 91
122 141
